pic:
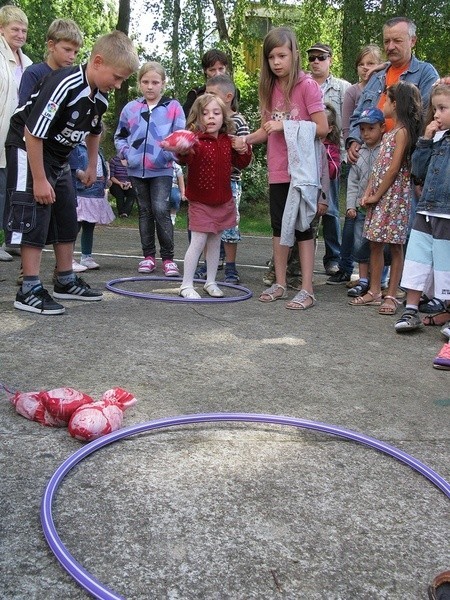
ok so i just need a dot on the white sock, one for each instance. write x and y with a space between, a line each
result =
198 241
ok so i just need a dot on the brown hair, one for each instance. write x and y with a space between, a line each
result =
193 121
279 36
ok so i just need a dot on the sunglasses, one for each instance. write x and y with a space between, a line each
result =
320 57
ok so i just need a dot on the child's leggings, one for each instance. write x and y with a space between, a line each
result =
198 242
87 237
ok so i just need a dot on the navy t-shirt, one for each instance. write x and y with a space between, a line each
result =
60 112
30 78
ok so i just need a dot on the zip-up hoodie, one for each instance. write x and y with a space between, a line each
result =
139 132
358 176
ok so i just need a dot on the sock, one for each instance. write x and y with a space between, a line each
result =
230 266
413 307
65 277
363 281
29 282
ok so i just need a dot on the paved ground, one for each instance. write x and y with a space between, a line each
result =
229 511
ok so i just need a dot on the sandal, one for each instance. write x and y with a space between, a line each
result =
390 306
364 301
427 305
432 320
301 301
275 292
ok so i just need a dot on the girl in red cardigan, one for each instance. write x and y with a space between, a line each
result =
208 190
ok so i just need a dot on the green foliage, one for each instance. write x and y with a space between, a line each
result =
94 18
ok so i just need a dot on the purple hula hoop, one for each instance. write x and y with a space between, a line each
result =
97 589
110 286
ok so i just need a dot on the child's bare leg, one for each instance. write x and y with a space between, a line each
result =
396 268
306 252
64 256
31 260
376 267
280 259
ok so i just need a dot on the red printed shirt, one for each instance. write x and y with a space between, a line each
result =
209 169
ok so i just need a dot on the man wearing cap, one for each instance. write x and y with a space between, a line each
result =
333 89
399 38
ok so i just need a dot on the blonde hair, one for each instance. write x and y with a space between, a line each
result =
280 36
10 13
65 30
117 50
194 119
369 49
151 66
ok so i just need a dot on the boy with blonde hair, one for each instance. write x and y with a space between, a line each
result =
66 109
64 40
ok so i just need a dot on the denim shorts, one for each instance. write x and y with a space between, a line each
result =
233 235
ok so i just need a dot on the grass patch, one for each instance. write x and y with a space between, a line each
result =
254 219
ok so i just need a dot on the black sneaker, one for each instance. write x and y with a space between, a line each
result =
38 300
339 277
76 290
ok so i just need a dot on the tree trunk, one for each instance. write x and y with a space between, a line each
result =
123 24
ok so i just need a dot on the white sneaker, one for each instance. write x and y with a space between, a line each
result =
445 330
89 263
5 256
77 268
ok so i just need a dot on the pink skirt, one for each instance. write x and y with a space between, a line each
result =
205 218
94 210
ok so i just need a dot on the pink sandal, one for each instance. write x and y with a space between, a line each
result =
362 300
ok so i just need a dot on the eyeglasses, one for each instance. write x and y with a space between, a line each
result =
320 57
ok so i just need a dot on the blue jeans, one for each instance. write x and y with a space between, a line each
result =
346 260
175 198
361 245
153 195
331 227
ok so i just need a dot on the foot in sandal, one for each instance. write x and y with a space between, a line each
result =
390 306
275 292
369 299
436 320
301 301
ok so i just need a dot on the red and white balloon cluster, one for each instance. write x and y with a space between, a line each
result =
85 418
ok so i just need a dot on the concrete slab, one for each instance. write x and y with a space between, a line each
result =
226 511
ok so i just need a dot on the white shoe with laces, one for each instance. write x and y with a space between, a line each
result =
77 268
89 263
5 256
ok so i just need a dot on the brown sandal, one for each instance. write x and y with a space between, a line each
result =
390 306
363 301
431 320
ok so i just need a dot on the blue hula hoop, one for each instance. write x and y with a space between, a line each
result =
110 285
95 587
